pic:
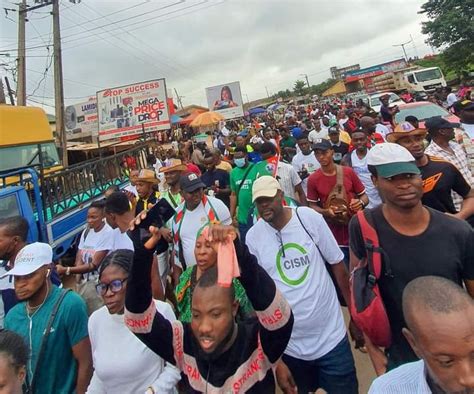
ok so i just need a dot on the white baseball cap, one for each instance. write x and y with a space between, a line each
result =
31 258
391 159
265 186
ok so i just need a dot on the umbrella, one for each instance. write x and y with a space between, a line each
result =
274 107
207 119
256 111
176 119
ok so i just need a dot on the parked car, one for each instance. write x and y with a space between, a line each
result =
423 110
375 103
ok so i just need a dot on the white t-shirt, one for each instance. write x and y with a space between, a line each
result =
121 241
451 99
92 242
382 130
360 168
288 178
192 222
300 274
307 161
314 135
123 363
342 122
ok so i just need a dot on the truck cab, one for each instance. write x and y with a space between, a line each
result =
26 140
425 79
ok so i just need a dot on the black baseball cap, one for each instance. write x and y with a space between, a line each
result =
322 144
191 182
437 123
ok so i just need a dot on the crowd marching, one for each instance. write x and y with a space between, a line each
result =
264 235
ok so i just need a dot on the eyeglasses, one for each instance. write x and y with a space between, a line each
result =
278 234
115 286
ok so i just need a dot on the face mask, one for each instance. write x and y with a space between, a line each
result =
239 162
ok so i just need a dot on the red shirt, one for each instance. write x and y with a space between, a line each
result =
319 188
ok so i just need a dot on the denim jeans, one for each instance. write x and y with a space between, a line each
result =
243 229
334 372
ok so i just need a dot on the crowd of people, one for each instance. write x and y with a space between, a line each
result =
242 288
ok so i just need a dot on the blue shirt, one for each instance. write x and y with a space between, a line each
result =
58 370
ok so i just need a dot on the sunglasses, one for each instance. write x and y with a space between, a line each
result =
115 286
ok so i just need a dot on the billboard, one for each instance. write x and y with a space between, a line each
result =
80 120
375 70
123 110
226 99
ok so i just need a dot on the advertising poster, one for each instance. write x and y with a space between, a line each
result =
80 119
123 110
226 99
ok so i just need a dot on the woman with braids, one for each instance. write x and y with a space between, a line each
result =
206 257
13 360
122 363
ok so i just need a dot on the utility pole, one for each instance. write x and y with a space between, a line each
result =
307 80
178 97
403 47
21 83
10 91
2 93
268 96
58 83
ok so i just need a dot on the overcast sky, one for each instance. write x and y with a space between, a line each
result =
196 44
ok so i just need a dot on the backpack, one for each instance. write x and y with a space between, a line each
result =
367 308
337 200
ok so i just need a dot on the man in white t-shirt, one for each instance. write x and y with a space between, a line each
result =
318 132
304 162
292 245
196 211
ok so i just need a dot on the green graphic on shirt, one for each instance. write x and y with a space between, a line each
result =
287 264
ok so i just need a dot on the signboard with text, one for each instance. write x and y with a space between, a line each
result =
80 120
373 71
124 111
226 99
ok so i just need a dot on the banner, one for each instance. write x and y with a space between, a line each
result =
80 120
226 100
123 110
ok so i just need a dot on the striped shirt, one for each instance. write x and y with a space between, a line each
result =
458 159
407 379
288 179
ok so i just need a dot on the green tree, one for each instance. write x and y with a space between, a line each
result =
299 88
451 25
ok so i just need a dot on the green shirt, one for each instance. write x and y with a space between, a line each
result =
244 198
289 142
184 297
58 370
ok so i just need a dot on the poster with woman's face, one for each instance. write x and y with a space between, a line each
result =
226 99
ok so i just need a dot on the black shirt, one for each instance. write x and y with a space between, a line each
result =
219 178
445 248
439 178
162 245
339 151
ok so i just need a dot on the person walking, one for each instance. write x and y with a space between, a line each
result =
416 241
53 322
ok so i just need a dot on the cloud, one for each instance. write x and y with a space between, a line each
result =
195 44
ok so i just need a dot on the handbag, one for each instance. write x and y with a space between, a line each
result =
337 200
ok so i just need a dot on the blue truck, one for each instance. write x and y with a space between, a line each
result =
55 203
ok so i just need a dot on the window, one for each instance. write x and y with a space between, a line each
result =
422 112
428 75
28 155
411 78
9 206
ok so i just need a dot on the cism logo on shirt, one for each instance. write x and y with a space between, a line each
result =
292 262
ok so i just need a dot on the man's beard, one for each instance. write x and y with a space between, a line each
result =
214 355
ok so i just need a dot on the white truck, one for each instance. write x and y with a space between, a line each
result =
413 79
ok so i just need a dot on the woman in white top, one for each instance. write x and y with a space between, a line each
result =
122 363
95 243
